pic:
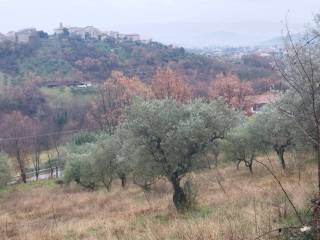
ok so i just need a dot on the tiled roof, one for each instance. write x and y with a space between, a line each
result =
264 98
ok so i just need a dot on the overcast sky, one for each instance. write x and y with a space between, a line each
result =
107 14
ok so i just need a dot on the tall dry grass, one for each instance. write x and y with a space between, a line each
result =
241 206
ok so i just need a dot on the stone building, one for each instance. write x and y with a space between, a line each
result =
83 33
133 37
25 35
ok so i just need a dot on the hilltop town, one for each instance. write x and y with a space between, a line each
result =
27 35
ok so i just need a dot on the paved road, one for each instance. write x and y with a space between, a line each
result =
43 175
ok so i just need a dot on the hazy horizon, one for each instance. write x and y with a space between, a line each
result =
168 21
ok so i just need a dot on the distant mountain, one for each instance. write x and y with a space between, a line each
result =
227 39
199 35
278 41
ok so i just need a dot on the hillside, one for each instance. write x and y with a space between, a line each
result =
75 59
58 82
67 58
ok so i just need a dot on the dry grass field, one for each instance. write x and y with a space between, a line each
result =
240 207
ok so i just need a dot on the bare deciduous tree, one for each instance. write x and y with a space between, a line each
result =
16 129
300 69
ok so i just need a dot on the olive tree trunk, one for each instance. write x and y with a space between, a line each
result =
123 177
249 163
123 181
280 153
179 196
21 167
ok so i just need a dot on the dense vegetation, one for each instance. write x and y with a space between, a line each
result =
38 81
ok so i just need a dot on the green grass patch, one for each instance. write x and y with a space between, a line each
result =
140 221
161 218
70 235
95 231
67 96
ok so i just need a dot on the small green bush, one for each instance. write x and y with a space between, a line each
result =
82 172
84 137
59 182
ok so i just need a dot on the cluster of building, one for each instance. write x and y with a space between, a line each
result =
28 34
238 52
95 33
22 36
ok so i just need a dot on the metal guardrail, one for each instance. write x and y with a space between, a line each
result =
45 173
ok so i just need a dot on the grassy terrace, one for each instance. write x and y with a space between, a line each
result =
242 206
68 94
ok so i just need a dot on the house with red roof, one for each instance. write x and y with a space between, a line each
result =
257 102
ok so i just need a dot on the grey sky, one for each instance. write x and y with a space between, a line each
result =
132 15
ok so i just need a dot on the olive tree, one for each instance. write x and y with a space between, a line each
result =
4 170
169 137
123 170
273 131
93 160
240 146
106 160
80 166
